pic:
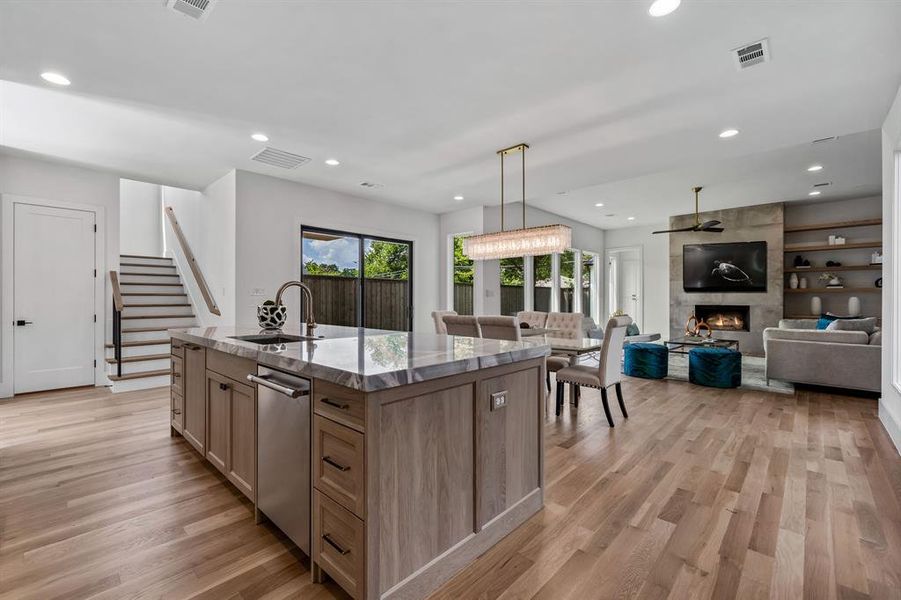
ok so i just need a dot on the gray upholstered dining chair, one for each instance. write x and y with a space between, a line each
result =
438 318
500 328
464 325
533 318
608 373
564 325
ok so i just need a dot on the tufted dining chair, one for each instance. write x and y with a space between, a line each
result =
438 318
463 325
500 328
564 325
533 318
607 373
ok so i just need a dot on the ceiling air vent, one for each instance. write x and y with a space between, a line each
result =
823 184
279 158
752 54
831 138
196 9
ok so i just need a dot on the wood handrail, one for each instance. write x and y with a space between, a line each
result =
117 291
192 261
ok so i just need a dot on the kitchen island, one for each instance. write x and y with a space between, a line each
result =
424 450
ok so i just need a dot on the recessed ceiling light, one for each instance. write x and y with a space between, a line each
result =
630 218
660 8
458 197
332 162
55 78
814 193
727 133
260 137
599 204
813 168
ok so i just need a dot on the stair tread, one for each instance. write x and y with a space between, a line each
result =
140 375
124 283
153 294
144 358
142 256
144 329
130 273
159 317
152 266
142 343
143 305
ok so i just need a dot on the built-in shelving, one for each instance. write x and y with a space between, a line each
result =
834 225
831 269
832 247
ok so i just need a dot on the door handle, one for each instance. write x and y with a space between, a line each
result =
22 323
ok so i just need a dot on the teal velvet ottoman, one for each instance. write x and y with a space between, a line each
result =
714 367
650 361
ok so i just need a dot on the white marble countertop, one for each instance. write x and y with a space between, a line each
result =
367 359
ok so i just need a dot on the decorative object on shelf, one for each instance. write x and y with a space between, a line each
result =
691 325
876 258
271 315
526 241
816 306
706 226
803 283
799 262
854 306
793 281
878 282
832 263
834 281
831 240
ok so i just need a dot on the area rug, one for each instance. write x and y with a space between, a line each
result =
753 374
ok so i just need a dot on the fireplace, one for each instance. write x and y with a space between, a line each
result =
725 317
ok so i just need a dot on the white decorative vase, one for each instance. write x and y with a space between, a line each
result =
816 306
803 283
793 281
853 306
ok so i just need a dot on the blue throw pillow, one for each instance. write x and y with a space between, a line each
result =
632 329
826 318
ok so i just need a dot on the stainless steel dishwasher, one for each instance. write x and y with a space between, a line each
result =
283 452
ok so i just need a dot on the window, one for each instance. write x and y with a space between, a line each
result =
378 296
567 280
541 292
589 283
463 279
512 286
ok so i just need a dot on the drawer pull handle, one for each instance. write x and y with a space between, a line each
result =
335 545
337 405
189 347
329 461
176 411
176 375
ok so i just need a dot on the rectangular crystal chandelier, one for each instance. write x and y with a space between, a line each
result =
527 241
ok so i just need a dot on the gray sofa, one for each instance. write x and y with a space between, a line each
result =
798 352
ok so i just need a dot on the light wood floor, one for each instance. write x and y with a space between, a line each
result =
701 494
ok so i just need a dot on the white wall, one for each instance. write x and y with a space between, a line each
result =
41 178
655 272
140 218
269 215
890 403
207 220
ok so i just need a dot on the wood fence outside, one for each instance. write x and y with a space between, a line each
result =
386 301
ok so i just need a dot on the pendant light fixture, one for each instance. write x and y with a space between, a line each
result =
527 241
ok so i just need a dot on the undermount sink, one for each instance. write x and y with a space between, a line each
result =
275 338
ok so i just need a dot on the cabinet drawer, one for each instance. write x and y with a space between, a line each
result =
340 404
338 464
178 411
339 544
231 366
178 376
177 347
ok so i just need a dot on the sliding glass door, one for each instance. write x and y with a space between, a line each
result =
358 280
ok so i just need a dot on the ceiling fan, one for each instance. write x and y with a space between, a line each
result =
708 226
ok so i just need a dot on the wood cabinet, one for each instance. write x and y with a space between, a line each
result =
339 542
218 411
338 468
194 412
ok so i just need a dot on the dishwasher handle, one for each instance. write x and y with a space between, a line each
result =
264 381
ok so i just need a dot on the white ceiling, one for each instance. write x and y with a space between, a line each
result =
619 107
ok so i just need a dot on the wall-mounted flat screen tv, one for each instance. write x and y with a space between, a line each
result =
730 267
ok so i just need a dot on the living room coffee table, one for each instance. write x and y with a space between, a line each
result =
684 344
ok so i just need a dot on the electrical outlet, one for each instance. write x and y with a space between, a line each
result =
258 292
498 400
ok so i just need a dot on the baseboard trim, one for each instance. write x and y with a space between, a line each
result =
891 424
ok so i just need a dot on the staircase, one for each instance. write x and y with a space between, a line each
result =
154 300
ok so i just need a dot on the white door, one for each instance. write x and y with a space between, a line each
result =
53 297
624 278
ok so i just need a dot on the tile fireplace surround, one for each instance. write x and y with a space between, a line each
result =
748 224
